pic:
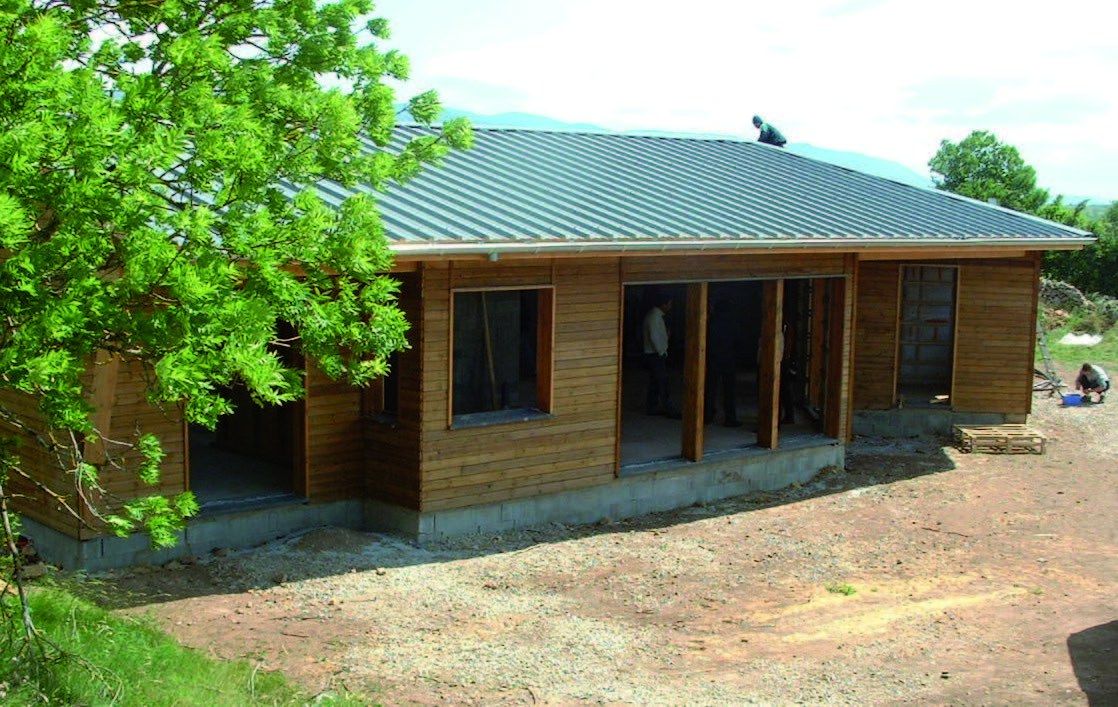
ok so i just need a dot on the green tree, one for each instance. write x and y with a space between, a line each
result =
157 163
1094 269
983 168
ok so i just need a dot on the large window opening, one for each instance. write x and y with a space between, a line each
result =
652 382
501 369
380 400
927 340
254 456
721 335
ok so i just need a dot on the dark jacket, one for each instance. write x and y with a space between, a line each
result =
771 136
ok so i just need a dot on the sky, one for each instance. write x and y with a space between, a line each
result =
886 78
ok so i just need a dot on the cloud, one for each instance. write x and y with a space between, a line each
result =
950 94
850 7
477 96
1056 110
885 78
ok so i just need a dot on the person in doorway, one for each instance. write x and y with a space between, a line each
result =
658 400
723 345
1092 379
769 135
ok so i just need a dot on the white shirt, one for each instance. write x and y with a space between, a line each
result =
655 332
1100 375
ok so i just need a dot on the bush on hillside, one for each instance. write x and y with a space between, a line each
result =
1062 305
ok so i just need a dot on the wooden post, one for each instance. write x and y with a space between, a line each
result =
835 412
102 399
694 371
817 375
768 373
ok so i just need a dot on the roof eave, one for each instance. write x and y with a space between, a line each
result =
530 248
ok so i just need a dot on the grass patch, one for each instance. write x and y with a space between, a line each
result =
1104 353
841 588
110 660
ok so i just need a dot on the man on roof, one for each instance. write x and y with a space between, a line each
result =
769 135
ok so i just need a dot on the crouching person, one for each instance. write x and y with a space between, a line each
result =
1092 379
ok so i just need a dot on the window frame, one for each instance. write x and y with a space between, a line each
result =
545 362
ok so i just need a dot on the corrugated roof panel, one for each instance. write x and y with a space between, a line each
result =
522 186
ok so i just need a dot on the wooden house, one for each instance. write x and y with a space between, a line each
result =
528 265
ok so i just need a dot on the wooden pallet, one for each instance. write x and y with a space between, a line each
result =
1002 439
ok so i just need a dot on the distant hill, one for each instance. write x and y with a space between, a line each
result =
863 163
852 160
519 120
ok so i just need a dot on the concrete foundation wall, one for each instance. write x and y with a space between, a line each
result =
668 486
202 535
912 422
659 487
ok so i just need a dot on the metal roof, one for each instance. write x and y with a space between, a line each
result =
539 190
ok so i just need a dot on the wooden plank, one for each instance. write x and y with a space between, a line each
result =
925 254
102 396
838 335
1001 439
876 335
772 349
989 292
736 266
694 371
453 498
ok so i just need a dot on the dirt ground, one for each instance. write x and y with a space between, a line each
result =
919 575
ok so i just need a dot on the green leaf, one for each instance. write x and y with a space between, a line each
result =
148 151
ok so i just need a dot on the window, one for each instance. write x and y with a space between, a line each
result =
380 400
927 329
501 364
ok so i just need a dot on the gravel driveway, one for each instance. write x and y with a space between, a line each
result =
918 575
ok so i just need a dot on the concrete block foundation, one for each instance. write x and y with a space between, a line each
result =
202 535
659 487
912 422
649 488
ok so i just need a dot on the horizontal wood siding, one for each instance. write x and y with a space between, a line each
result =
35 460
709 268
131 416
995 336
575 447
335 449
875 337
392 459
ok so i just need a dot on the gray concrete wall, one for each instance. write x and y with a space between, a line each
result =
202 535
647 489
912 422
662 487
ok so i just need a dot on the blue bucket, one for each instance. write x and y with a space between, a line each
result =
1072 398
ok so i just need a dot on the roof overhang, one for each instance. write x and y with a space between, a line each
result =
875 248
